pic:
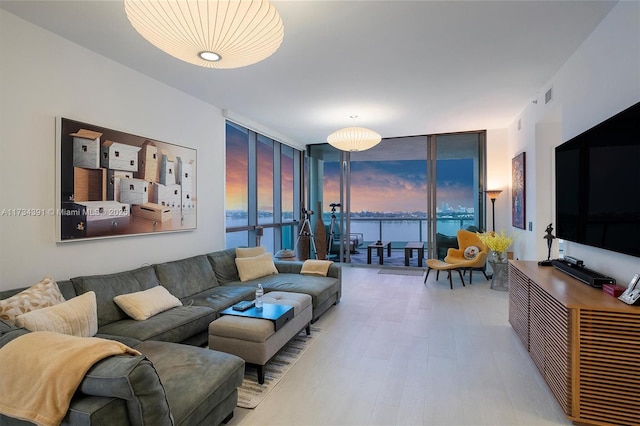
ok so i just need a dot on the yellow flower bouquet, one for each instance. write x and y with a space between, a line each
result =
498 243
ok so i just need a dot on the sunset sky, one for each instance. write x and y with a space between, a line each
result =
237 180
382 186
401 185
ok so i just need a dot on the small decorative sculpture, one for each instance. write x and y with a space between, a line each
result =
549 237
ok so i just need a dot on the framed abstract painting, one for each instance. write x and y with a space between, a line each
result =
518 191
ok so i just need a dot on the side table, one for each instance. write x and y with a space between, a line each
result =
379 246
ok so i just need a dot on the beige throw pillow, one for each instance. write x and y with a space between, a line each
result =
250 251
147 303
45 293
250 268
316 267
75 317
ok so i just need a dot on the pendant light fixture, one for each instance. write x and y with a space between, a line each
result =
354 139
209 33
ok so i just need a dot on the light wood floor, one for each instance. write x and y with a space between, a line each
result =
397 352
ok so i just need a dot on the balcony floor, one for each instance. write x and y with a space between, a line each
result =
396 259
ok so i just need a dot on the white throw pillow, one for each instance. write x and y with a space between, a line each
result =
250 251
250 268
471 252
75 317
147 303
38 296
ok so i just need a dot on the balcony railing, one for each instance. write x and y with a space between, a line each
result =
406 229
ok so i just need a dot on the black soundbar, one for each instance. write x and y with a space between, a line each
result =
587 276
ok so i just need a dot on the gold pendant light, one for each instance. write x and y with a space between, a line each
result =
209 33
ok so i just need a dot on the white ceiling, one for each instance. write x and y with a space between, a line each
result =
404 67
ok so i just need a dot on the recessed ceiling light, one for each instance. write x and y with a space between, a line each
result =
209 56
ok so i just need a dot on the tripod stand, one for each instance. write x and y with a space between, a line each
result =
332 226
305 229
332 231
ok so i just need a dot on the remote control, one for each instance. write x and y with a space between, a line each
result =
244 305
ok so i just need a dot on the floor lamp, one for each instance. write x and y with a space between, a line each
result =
493 194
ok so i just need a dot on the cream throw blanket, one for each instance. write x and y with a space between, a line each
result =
41 371
316 267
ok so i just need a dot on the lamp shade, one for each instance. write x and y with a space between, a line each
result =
209 33
493 193
354 139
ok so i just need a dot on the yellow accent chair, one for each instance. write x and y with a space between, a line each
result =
460 256
470 255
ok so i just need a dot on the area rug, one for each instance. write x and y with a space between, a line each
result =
250 393
414 272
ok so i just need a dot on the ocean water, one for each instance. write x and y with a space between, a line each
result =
371 230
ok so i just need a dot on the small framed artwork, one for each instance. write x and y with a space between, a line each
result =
110 183
518 191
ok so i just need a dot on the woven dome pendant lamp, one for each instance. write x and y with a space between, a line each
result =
209 33
354 139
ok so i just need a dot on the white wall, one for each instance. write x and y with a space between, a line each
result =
498 177
44 76
600 79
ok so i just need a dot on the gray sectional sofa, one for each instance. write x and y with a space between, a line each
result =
177 381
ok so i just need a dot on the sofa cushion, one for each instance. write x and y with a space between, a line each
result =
75 317
250 268
109 286
195 379
147 303
8 332
187 276
221 297
93 410
174 325
41 295
319 288
224 265
135 380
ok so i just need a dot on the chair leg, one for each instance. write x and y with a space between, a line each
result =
427 276
437 274
471 276
461 279
450 281
484 273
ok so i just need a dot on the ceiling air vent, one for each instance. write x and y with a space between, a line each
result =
548 96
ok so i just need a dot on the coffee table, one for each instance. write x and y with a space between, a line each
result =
379 246
278 314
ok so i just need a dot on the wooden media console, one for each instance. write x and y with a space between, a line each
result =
585 343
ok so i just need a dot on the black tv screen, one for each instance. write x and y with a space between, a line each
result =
598 185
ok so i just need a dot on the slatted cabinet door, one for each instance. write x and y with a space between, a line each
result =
519 304
609 367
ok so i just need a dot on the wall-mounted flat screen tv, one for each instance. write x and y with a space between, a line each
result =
598 185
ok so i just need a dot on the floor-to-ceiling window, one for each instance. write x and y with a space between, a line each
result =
262 190
420 188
